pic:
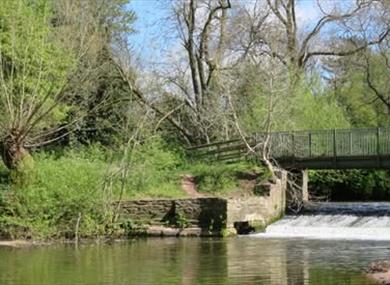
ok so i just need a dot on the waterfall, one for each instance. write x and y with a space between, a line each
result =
335 221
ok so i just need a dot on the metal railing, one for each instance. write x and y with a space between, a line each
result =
313 144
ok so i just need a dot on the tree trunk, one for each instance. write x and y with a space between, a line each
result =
13 151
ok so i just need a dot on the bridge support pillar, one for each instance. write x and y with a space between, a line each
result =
305 185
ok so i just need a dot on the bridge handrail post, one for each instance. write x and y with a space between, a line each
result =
350 143
309 144
293 144
334 146
378 146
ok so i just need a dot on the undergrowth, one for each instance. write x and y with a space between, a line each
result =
67 194
350 185
220 178
63 190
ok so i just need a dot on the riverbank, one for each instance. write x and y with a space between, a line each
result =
20 243
76 195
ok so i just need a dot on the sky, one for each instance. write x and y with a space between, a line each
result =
151 36
147 39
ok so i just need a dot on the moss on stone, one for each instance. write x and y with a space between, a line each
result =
228 232
258 226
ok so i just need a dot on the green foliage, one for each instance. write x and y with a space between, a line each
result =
152 170
70 184
40 45
34 65
307 106
351 185
103 96
353 95
362 107
178 220
317 111
221 178
49 207
215 180
128 226
4 175
24 174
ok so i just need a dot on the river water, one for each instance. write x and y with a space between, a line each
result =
241 260
327 245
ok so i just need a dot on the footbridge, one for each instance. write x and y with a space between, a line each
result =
312 149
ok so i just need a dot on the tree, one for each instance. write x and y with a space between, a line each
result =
360 84
104 26
273 29
34 74
56 70
202 31
376 68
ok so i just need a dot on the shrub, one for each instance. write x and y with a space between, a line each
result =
351 185
63 189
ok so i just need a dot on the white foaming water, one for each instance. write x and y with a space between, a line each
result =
369 221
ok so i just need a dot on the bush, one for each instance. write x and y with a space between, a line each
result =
351 185
63 189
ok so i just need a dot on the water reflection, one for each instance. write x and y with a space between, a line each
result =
236 261
309 262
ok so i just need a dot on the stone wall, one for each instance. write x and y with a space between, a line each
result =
203 216
148 212
207 215
255 213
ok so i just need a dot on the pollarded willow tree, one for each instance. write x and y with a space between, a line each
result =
33 76
36 69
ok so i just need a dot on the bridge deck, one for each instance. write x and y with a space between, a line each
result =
321 149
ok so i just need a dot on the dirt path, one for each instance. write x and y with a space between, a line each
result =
189 187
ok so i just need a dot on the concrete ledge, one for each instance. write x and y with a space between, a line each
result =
160 231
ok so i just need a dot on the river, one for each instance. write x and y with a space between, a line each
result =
241 260
328 244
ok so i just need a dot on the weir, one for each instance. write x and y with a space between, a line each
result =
299 151
370 221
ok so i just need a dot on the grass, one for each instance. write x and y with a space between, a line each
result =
219 179
63 189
